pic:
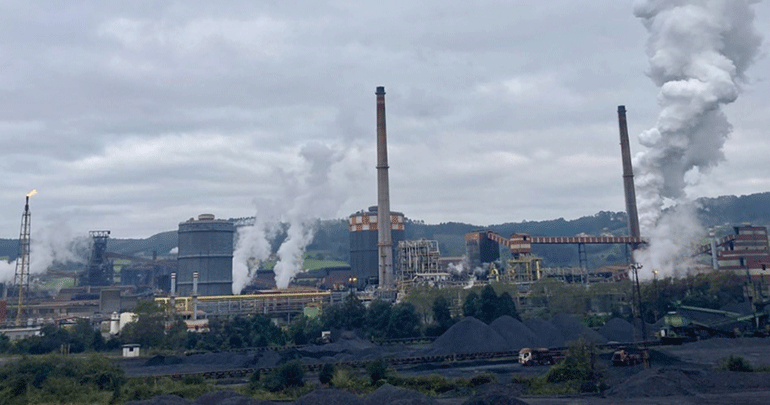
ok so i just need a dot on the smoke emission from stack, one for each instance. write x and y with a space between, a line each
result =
315 189
698 51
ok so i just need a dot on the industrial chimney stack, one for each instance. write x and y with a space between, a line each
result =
384 241
173 291
628 175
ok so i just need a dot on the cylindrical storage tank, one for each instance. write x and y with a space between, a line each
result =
205 247
114 324
364 263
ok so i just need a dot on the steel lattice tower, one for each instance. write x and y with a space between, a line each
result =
21 279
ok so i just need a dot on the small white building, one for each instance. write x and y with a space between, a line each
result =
21 333
131 350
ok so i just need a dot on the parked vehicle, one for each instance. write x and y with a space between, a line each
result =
540 356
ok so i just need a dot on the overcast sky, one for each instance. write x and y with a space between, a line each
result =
134 116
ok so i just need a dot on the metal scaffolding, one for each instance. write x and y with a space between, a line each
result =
418 263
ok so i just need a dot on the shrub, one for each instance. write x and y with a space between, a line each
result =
326 374
54 378
429 384
290 374
377 370
347 379
481 379
578 365
735 363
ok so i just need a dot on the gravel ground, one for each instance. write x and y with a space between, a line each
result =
710 352
390 395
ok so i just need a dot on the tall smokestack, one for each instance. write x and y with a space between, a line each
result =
628 175
384 241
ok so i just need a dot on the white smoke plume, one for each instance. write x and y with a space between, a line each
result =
672 244
253 245
699 51
49 244
315 190
459 268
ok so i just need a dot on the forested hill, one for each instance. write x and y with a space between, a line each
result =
332 238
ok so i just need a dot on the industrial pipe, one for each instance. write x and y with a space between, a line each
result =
195 296
173 291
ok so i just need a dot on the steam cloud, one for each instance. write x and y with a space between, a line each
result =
52 243
316 189
699 51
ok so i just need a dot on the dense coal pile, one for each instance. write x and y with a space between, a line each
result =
572 330
237 359
228 398
515 333
195 363
163 361
348 346
685 381
161 400
712 351
662 382
329 397
468 336
267 358
744 308
547 334
618 330
496 394
390 395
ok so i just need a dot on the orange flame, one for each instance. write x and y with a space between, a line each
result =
31 193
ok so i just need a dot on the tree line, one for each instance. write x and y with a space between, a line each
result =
157 328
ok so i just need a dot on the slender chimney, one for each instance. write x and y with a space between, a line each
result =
628 175
384 241
195 296
714 257
173 291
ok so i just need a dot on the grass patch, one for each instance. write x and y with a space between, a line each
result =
540 386
308 264
55 283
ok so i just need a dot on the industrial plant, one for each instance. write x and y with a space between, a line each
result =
197 279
